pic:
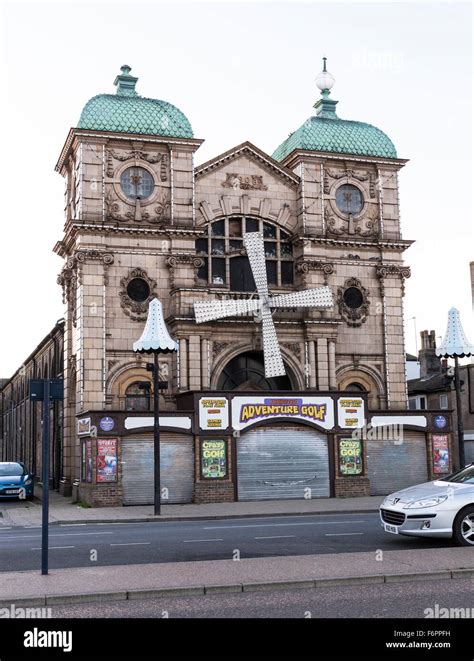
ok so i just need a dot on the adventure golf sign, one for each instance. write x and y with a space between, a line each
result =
248 410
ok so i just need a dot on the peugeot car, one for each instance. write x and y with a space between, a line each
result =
442 508
15 480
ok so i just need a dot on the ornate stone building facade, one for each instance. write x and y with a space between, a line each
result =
142 221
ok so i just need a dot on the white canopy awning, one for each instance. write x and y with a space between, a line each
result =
155 337
455 342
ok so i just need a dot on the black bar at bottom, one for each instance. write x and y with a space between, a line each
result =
282 638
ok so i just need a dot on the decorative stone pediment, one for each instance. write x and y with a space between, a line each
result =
248 152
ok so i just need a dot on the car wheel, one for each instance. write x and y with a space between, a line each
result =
463 527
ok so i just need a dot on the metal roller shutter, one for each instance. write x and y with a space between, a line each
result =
469 451
281 462
393 465
177 470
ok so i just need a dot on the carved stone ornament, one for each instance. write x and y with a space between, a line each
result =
177 262
368 226
218 347
112 207
244 182
136 310
71 274
160 215
304 266
392 270
294 347
354 314
348 174
137 155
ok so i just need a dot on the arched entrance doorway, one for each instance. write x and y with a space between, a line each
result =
247 372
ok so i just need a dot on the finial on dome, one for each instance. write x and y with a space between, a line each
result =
325 107
125 83
325 80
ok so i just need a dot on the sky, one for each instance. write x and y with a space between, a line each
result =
239 71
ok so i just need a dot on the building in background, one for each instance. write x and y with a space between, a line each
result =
143 221
434 389
20 419
412 366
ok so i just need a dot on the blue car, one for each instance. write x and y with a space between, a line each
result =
15 480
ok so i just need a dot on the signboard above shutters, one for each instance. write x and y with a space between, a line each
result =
213 413
350 412
248 410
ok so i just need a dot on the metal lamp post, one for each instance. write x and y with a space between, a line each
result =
155 339
456 345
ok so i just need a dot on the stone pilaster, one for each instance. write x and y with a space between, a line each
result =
312 365
205 363
323 363
332 364
183 364
194 362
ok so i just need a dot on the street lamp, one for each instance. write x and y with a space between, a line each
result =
155 339
456 345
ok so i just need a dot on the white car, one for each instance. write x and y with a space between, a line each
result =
442 508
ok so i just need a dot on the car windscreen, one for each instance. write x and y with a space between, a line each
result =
464 476
9 470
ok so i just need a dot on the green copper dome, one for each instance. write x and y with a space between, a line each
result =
127 112
326 132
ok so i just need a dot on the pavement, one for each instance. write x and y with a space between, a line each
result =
61 510
121 582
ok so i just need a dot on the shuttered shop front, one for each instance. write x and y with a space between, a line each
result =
395 464
469 451
177 470
281 463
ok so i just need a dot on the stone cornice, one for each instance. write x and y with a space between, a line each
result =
298 155
75 133
386 244
62 248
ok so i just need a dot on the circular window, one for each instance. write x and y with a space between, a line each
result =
137 183
349 199
138 290
353 298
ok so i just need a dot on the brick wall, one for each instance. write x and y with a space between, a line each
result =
101 495
214 492
349 487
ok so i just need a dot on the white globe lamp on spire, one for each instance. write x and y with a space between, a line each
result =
324 80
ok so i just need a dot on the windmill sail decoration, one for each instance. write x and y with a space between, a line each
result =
262 307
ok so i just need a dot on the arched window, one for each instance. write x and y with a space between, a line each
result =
355 386
224 264
137 396
247 372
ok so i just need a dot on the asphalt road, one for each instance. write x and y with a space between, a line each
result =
85 545
393 600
